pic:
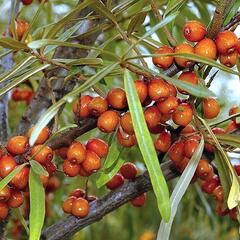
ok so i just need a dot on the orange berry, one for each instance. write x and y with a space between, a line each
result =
218 193
139 201
98 146
62 152
44 180
190 147
53 184
126 123
97 106
152 116
68 204
168 106
128 170
21 27
78 193
142 89
71 169
183 48
76 152
194 31
226 42
158 89
229 60
188 77
211 108
17 145
80 106
50 167
210 185
117 98
188 130
182 165
7 164
92 162
83 173
203 169
16 199
20 180
163 142
5 194
115 182
108 121
125 139
3 210
42 137
172 90
238 46
233 110
183 114
163 61
218 130
206 48
41 153
176 152
80 207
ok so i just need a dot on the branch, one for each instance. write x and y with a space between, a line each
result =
235 20
110 202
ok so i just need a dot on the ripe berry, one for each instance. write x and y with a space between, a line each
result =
203 169
229 60
157 129
70 169
194 31
163 61
50 167
172 90
152 116
226 42
7 164
98 146
20 180
42 137
168 106
26 2
21 27
80 207
182 165
183 114
163 142
183 48
108 121
17 145
83 173
117 98
142 90
3 210
158 89
115 182
80 106
68 204
62 152
188 130
211 108
126 123
139 201
233 214
176 152
97 106
238 46
218 193
76 152
78 193
188 77
5 194
128 170
206 48
53 184
190 147
221 210
42 154
44 180
210 185
237 169
16 199
233 110
92 162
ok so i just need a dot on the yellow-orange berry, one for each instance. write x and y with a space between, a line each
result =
226 42
97 106
41 153
158 89
211 108
184 48
42 137
163 61
76 152
229 59
92 162
108 121
117 98
80 207
126 123
183 114
194 31
17 145
80 106
188 77
206 48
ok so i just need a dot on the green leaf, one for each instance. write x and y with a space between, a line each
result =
81 61
11 175
136 22
174 6
229 139
179 191
147 148
18 214
37 206
38 168
11 43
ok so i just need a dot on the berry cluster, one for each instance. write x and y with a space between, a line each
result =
22 94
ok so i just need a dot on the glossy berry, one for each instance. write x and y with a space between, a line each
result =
183 48
20 180
163 142
189 129
70 169
26 2
44 180
62 152
5 194
176 152
92 162
80 207
152 116
218 193
206 48
172 90
42 153
3 210
76 152
115 182
203 169
190 147
230 59
7 164
68 204
78 193
237 169
128 170
125 139
188 77
21 27
126 123
183 114
16 199
238 46
139 201
142 90
117 98
226 42
98 146
17 145
83 173
50 167
42 137
211 108
80 106
168 106
108 121
163 61
158 89
194 31
210 185
97 106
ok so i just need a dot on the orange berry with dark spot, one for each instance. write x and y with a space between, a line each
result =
152 116
142 90
62 152
115 182
206 48
7 164
42 137
78 193
108 121
80 208
158 89
203 169
183 48
5 194
92 162
3 210
211 108
210 185
194 31
163 142
41 153
139 201
229 59
17 145
125 139
70 169
117 98
190 147
176 152
163 61
188 77
76 152
168 106
218 193
226 42
98 146
183 114
97 106
126 123
20 180
128 170
80 106
68 204
16 199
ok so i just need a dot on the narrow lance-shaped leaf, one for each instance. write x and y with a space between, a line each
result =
147 148
38 168
11 43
